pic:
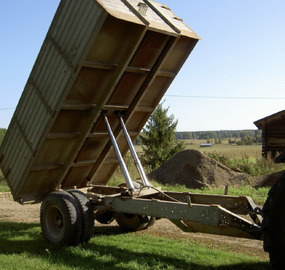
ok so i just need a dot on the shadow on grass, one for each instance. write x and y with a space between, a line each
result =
18 238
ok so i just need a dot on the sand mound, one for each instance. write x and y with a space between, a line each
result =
194 169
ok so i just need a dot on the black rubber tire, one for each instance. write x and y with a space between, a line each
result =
273 224
60 219
87 215
104 216
132 222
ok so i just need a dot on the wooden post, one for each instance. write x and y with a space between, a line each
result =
226 190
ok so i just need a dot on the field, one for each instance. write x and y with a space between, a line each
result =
239 151
232 150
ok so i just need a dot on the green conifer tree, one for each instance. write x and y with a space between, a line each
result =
158 138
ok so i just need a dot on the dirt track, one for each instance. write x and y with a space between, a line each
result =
12 211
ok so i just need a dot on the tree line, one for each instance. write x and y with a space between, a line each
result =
246 137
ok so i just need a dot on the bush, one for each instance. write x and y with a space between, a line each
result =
259 166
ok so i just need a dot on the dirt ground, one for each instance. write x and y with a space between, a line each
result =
12 211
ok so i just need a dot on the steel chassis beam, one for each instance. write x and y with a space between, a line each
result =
211 218
211 214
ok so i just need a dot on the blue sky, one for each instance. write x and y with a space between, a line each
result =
234 76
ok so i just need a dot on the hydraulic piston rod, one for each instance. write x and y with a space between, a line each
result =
118 153
134 154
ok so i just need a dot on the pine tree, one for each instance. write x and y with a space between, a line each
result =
158 138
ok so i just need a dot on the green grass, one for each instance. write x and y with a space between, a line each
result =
22 247
245 164
238 151
252 151
4 187
3 184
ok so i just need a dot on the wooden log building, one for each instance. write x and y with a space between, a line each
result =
273 135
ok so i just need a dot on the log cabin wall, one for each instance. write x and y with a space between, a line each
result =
273 134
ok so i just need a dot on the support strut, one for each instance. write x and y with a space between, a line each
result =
118 153
133 152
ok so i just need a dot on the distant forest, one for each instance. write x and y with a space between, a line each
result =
233 136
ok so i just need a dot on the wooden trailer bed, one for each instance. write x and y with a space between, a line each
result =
98 57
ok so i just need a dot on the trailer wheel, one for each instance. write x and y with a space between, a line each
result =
86 213
273 224
104 216
60 219
132 222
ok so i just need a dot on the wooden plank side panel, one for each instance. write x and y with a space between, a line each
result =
55 151
77 175
276 141
89 86
99 172
79 37
127 89
81 30
10 146
51 71
47 60
42 59
105 172
23 162
54 73
70 121
56 70
17 158
14 172
71 39
27 110
40 182
64 122
278 135
23 165
35 118
179 54
5 149
151 96
134 68
93 148
114 33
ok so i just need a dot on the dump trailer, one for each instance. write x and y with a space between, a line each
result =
102 69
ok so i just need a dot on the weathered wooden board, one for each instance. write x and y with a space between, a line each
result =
273 134
104 55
